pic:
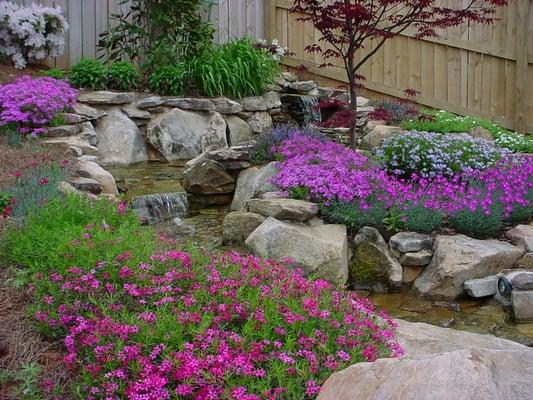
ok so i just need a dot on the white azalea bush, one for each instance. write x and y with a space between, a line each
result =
31 33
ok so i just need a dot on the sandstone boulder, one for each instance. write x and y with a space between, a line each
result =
90 169
260 122
239 130
458 375
321 250
372 261
253 182
288 209
377 135
459 258
207 177
406 242
105 98
182 135
119 139
238 225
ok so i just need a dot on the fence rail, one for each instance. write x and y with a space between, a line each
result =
89 18
480 70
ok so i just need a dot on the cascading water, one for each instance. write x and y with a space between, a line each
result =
155 208
310 110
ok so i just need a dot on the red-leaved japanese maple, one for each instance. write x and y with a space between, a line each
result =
347 26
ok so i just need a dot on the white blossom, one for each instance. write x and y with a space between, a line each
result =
31 33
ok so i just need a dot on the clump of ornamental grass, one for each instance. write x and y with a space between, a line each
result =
430 155
145 324
30 104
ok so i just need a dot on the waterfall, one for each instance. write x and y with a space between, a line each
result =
159 207
310 110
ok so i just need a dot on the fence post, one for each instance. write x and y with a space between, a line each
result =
522 18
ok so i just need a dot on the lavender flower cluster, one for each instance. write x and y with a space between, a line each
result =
30 104
430 155
31 33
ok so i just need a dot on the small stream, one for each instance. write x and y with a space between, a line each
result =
472 315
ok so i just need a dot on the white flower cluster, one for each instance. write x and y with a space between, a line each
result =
274 48
31 33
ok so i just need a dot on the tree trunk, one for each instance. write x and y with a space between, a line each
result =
353 100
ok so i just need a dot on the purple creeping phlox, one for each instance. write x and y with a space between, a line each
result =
334 172
205 327
30 104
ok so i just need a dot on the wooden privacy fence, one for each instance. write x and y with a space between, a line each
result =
480 70
88 18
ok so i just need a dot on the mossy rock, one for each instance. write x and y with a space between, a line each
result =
368 264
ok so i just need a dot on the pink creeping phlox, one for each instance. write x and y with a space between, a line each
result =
236 324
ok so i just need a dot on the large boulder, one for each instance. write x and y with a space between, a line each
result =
260 122
459 375
239 130
406 242
419 339
459 258
182 135
321 250
438 362
90 169
207 177
253 182
377 135
119 139
372 261
288 209
522 235
238 225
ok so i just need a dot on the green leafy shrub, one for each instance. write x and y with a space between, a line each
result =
122 75
158 32
447 122
169 80
56 73
88 74
235 69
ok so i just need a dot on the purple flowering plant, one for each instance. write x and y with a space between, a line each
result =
332 173
31 104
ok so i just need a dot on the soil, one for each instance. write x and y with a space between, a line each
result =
21 343
9 73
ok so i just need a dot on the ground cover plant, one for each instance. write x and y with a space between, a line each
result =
29 104
447 122
144 320
355 190
430 154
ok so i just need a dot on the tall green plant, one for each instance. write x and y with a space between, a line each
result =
158 31
235 69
